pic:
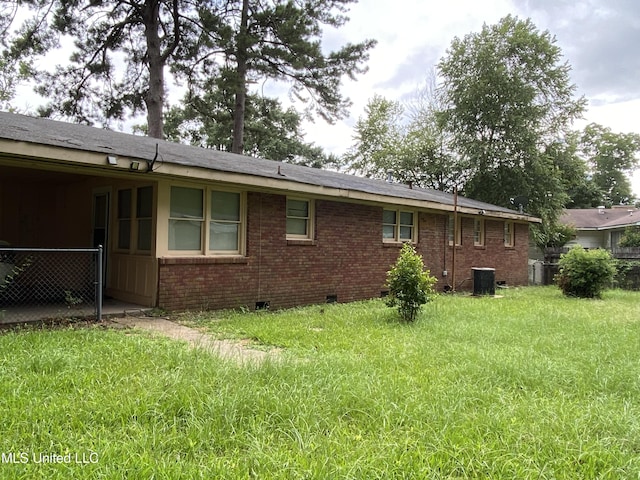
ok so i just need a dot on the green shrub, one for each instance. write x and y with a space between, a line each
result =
627 274
585 273
631 237
410 285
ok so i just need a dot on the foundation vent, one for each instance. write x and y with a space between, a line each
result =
264 305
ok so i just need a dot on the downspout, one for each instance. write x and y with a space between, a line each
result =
445 243
260 250
455 238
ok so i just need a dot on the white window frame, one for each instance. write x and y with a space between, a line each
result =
123 217
200 220
206 220
309 219
398 225
509 233
241 222
138 218
478 232
133 220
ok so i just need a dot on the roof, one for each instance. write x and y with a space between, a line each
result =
21 128
601 218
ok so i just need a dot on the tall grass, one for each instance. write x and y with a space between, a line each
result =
532 385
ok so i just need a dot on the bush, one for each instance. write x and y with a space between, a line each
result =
585 273
627 275
410 285
631 237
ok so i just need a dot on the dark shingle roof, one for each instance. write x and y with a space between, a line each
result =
600 219
81 137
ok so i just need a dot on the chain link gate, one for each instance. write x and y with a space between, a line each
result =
39 284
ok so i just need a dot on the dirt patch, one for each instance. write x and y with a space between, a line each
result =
230 349
237 350
56 324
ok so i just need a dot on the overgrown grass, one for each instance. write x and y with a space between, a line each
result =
532 385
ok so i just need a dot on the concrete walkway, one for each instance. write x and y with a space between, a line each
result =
228 349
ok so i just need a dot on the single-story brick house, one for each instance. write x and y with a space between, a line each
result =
600 227
191 228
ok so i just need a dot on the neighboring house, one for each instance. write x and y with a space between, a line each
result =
191 228
600 227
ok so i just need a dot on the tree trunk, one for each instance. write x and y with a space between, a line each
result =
237 146
154 98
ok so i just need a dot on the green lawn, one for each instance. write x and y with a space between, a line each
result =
531 385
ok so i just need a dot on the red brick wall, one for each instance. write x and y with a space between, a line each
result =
347 258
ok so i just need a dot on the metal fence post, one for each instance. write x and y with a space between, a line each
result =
99 284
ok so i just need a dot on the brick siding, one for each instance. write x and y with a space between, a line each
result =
347 258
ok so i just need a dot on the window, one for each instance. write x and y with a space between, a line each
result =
299 218
509 234
144 213
186 216
135 227
223 212
478 232
398 226
450 227
124 219
224 222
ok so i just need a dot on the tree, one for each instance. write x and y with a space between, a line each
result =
378 139
17 46
410 285
611 156
631 237
405 140
508 96
206 120
574 172
552 235
280 40
143 37
8 70
193 40
431 162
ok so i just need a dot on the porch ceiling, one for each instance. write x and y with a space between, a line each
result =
32 175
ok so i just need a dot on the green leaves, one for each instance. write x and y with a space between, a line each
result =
508 94
585 273
410 285
631 237
124 49
270 130
611 156
415 150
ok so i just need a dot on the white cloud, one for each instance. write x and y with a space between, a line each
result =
596 37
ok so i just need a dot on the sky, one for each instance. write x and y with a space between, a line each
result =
598 38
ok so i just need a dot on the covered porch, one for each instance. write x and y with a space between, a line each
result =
62 206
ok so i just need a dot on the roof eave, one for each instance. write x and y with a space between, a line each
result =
67 157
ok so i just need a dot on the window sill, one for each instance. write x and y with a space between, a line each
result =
395 243
301 241
202 260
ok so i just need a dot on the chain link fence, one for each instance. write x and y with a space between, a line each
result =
42 284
